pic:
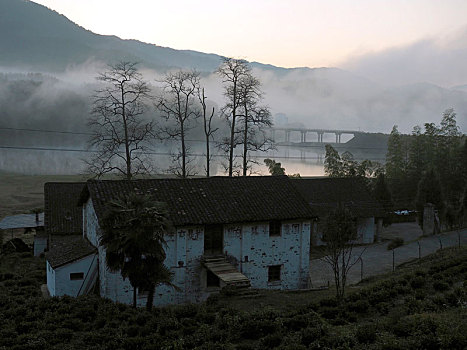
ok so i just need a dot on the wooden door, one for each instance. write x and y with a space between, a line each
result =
213 239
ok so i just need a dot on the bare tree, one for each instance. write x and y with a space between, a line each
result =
231 71
340 232
209 130
120 132
178 104
255 119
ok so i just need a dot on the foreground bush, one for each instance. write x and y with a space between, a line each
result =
423 307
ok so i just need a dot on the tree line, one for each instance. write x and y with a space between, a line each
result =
430 166
123 135
427 166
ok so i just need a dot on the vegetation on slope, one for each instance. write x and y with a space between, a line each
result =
422 305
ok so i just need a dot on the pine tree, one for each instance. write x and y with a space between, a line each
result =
396 165
383 196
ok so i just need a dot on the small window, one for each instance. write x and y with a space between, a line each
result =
274 273
275 228
212 280
75 276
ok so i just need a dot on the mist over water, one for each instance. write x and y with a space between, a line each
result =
311 98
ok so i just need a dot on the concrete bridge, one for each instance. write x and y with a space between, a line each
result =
304 131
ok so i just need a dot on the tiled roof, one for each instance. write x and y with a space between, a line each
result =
325 193
66 249
215 200
62 213
21 221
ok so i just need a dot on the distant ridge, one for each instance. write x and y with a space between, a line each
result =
35 37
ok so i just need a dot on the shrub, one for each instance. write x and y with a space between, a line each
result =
395 243
366 334
417 282
271 341
440 286
360 306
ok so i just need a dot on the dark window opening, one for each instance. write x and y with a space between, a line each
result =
246 258
213 239
212 280
275 228
274 273
74 276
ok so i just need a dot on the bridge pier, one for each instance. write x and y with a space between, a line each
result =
338 137
320 136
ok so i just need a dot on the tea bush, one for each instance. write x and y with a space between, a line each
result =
419 307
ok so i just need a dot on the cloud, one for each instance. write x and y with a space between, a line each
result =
439 61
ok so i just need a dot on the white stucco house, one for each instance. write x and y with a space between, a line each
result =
325 193
238 231
69 257
71 266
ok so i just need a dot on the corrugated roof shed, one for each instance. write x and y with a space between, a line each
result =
21 221
215 200
62 213
324 194
66 249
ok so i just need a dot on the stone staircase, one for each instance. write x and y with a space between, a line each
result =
226 272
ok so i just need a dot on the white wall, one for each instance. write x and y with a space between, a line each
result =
291 250
50 278
186 247
366 230
60 284
90 224
40 245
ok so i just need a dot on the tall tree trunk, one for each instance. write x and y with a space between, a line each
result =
207 155
150 300
134 297
232 129
125 129
245 142
182 134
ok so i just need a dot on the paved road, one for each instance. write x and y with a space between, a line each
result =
378 260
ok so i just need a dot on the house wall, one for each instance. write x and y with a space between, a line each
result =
90 224
60 283
40 245
185 249
50 278
365 232
252 250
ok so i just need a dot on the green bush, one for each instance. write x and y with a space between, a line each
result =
395 243
418 282
366 334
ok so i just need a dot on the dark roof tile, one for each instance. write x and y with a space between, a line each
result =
66 249
324 194
62 213
214 200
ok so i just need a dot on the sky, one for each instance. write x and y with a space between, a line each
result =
286 33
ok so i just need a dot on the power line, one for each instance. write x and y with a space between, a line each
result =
161 153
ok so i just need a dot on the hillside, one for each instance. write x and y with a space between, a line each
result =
421 306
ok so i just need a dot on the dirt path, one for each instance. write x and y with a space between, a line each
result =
378 260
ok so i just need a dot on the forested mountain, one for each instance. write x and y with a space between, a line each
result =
34 38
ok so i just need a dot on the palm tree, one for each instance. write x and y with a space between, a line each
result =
133 231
